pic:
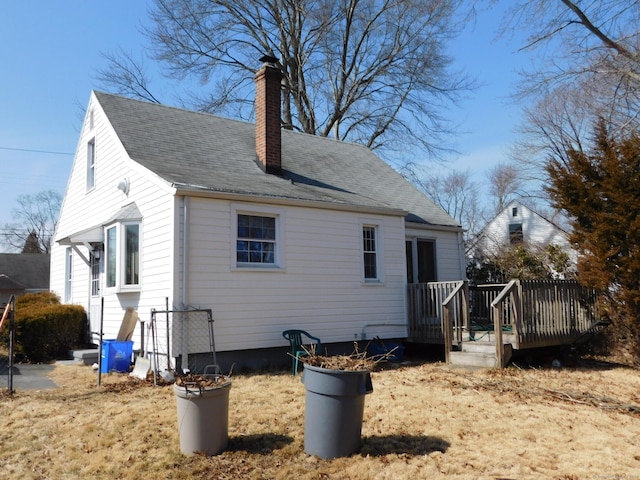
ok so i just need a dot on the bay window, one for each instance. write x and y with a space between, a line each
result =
122 250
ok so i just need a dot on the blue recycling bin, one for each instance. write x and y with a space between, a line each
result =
116 356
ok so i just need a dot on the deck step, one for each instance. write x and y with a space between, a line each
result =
478 347
479 354
87 356
473 359
487 336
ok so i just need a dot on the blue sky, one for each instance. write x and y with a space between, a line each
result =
50 52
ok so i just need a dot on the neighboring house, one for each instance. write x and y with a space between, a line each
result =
269 228
518 224
22 273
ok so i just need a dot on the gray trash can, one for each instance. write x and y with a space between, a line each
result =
203 418
334 408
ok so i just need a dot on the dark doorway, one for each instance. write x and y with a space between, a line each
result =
421 261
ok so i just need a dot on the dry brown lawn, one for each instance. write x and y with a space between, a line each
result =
422 421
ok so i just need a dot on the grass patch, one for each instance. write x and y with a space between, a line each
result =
423 420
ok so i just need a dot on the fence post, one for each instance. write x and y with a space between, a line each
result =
12 341
497 330
447 334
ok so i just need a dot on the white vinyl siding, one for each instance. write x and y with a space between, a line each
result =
158 231
320 290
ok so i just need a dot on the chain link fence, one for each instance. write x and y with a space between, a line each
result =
182 340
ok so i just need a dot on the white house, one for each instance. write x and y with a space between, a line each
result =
518 224
269 228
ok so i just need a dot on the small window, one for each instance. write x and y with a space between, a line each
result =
68 274
256 240
370 253
516 236
132 255
112 259
94 260
514 212
122 252
91 164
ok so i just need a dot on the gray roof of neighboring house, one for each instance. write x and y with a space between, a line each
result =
199 151
29 270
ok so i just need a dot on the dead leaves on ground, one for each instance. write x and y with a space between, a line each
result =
503 383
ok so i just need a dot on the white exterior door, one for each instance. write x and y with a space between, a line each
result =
96 265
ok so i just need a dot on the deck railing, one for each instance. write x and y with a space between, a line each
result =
554 311
425 307
480 299
505 309
535 313
456 317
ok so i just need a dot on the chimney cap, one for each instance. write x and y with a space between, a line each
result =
268 59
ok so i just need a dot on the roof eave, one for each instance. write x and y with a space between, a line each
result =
431 226
191 191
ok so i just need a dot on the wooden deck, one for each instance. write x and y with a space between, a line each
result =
520 315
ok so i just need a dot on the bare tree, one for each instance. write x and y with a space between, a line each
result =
375 72
35 220
504 185
588 68
127 76
457 194
581 39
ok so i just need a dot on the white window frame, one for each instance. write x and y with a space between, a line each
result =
516 233
119 283
95 267
258 211
91 164
378 231
68 274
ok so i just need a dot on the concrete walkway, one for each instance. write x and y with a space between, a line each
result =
28 376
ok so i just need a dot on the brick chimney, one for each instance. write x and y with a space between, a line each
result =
268 136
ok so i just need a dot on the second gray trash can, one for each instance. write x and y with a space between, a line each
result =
203 418
334 408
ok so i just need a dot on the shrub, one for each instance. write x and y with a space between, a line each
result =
40 298
45 329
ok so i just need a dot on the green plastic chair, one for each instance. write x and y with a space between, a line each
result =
296 341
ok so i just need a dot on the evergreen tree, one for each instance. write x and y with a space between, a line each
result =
600 192
31 244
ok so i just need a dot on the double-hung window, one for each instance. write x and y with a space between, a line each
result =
516 235
122 251
256 240
91 164
370 252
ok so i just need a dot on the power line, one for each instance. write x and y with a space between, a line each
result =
35 151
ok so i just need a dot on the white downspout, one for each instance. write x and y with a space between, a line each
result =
183 293
185 251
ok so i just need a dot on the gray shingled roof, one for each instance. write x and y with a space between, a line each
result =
30 270
194 150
